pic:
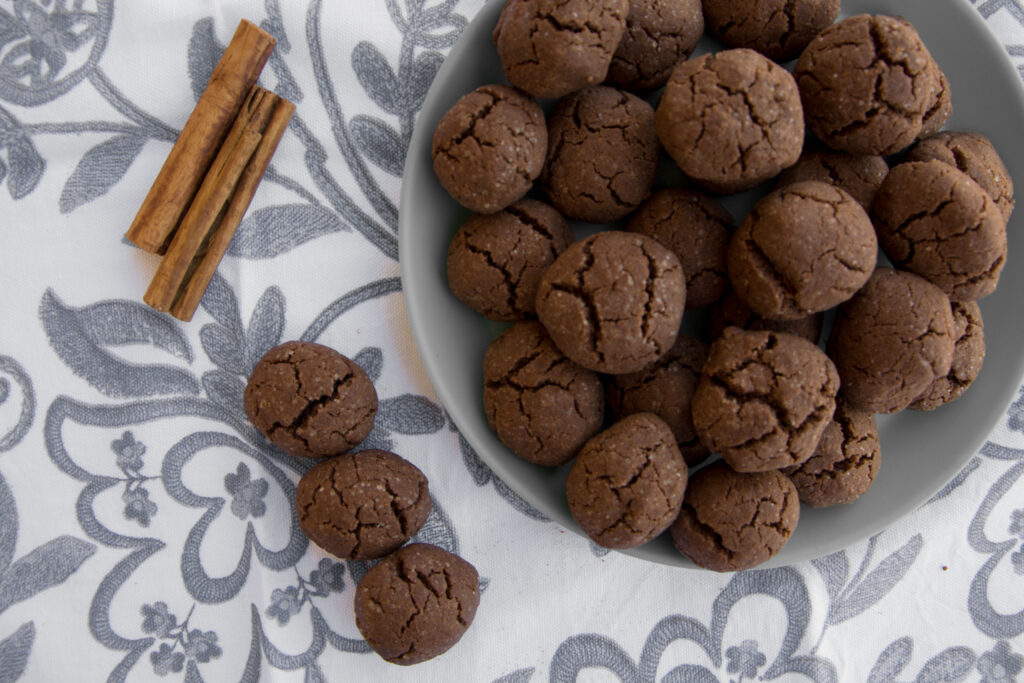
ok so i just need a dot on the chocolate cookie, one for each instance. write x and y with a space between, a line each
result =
659 34
974 155
541 405
613 301
362 506
731 520
778 29
892 340
802 249
731 120
495 260
697 229
730 311
941 107
602 154
665 389
489 148
764 399
933 220
628 482
550 48
867 84
968 355
310 400
416 603
860 175
845 462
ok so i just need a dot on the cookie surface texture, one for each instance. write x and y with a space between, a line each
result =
778 29
659 34
860 175
968 356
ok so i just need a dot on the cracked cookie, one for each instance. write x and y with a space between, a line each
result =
968 355
665 389
542 406
416 603
602 154
628 482
495 260
309 400
731 520
892 340
697 229
845 462
659 34
764 399
730 311
731 120
867 84
940 108
974 155
550 48
802 249
778 29
933 220
489 148
613 302
860 175
362 506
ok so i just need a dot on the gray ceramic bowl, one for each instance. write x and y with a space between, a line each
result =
921 452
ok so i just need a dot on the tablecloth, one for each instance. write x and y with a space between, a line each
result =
147 531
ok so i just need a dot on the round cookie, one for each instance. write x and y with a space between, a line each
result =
550 48
489 148
778 29
309 400
845 462
933 220
974 155
659 34
867 84
628 482
541 405
362 506
416 603
602 154
860 175
892 340
665 389
731 120
613 302
697 229
802 249
764 399
941 107
731 520
495 260
730 311
968 355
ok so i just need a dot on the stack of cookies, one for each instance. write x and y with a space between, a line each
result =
593 372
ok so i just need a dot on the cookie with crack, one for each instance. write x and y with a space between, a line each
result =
731 120
627 483
892 340
764 399
730 311
801 250
697 229
613 301
550 48
602 154
489 147
935 221
860 175
968 355
495 260
310 400
542 405
735 520
659 34
778 29
940 108
364 505
416 603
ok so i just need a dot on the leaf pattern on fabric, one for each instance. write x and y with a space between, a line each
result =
11 436
100 169
14 651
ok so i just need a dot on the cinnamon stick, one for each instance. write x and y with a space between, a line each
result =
190 159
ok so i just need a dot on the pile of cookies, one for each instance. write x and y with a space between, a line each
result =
312 402
594 370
